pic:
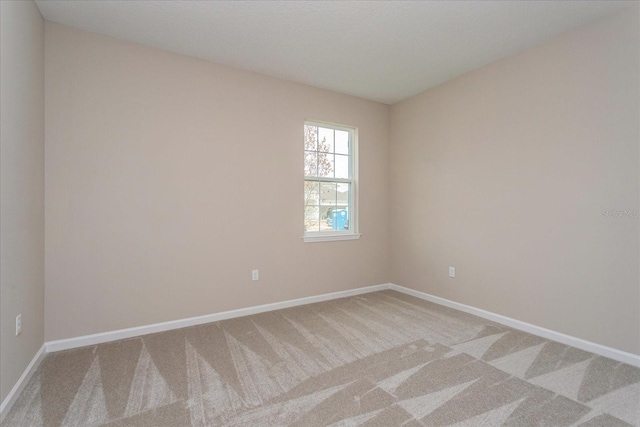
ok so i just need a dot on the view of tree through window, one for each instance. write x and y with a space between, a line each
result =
328 178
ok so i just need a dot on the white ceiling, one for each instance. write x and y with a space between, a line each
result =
380 50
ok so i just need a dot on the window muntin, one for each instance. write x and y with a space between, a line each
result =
329 180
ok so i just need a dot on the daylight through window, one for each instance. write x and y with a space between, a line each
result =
329 180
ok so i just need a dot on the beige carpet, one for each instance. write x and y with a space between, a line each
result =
380 359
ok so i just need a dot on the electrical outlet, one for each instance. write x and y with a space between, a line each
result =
18 324
452 272
255 274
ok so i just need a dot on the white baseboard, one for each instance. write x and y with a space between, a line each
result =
83 341
66 344
611 353
70 343
8 402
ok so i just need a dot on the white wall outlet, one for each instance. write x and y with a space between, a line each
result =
452 272
255 274
18 324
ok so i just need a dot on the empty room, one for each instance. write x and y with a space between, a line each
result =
319 213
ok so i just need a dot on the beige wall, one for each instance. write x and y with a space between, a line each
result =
505 173
169 178
21 188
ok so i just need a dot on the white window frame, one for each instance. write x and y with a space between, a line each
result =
352 232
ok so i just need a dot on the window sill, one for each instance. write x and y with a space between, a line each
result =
330 237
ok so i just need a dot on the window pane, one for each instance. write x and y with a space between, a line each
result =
342 166
310 137
342 194
311 218
325 218
325 165
328 193
310 163
337 218
311 193
342 142
325 140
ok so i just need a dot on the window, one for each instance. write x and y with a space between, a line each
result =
329 182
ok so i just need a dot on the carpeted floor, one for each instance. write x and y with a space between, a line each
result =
379 359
